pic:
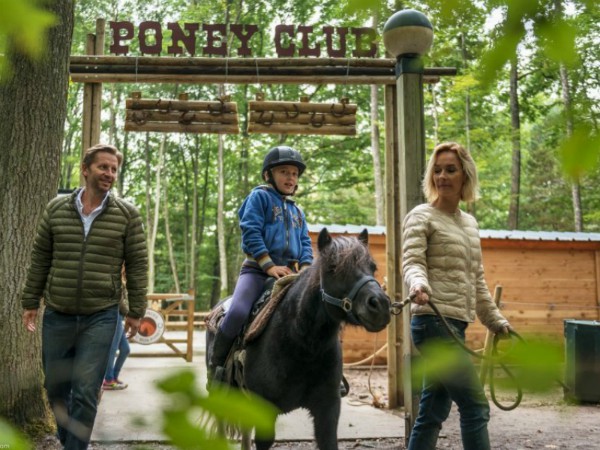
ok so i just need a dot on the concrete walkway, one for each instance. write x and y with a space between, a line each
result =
134 414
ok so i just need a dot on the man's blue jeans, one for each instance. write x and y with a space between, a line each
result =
457 381
75 350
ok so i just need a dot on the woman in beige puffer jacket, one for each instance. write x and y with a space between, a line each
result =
442 263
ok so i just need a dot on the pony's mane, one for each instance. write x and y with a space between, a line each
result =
344 254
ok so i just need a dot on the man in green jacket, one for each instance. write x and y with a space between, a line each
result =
83 241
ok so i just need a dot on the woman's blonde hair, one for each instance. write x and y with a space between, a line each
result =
470 190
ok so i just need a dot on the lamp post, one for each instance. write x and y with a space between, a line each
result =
407 35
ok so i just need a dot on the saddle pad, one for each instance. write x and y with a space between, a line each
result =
262 318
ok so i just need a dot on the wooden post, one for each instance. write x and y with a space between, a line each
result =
86 125
190 326
407 35
411 139
97 87
393 248
489 341
597 261
92 94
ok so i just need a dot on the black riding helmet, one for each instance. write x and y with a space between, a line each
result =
282 155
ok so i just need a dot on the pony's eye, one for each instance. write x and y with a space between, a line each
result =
332 268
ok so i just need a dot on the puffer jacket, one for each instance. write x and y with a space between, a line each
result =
82 275
442 253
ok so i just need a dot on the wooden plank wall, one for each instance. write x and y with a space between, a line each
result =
544 283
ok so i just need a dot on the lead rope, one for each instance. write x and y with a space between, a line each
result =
397 308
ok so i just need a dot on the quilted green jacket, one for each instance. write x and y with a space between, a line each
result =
82 275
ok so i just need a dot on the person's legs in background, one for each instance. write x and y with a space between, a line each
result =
116 361
124 351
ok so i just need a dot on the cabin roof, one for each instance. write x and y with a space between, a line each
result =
514 235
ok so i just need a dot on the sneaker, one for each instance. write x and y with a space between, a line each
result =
113 385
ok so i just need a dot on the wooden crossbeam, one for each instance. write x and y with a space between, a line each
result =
181 116
302 117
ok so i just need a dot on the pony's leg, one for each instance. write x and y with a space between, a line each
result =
265 442
246 441
326 418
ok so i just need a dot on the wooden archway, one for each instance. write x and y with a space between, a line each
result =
404 157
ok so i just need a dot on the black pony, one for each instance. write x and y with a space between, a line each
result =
297 360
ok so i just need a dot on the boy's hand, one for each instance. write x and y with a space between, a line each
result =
279 271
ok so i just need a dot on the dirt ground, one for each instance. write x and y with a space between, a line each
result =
542 421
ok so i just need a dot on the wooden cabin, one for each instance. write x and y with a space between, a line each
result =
546 278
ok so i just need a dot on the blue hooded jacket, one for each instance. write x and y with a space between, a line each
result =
274 230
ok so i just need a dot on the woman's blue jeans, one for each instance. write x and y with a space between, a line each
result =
120 343
444 383
75 350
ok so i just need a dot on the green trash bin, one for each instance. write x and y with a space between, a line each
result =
582 360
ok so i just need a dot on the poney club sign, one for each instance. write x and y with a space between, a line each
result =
211 40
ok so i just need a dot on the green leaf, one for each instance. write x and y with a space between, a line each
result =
183 382
11 438
559 42
353 6
494 59
185 435
537 363
579 153
25 24
242 409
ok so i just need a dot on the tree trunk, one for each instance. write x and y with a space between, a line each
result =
463 48
221 221
32 122
193 234
153 230
172 260
375 149
465 59
566 99
515 187
434 114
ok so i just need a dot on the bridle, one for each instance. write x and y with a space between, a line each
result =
346 303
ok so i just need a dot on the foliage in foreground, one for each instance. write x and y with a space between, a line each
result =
535 364
230 406
11 438
190 421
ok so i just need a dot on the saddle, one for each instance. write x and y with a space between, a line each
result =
262 310
260 315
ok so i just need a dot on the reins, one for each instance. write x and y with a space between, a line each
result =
397 308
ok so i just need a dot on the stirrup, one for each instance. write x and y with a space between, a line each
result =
215 376
219 375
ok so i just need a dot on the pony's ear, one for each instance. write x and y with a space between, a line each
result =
364 237
324 239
